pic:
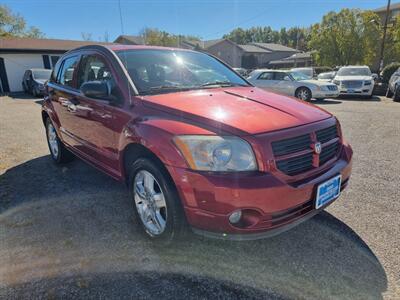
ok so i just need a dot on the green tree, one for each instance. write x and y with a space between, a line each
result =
14 25
156 37
345 38
392 42
293 37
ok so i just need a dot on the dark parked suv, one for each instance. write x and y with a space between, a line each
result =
394 86
34 81
197 144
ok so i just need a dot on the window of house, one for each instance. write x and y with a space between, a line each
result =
54 60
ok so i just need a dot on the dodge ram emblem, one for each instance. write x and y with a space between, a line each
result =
317 148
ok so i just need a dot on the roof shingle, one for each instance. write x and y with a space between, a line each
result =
43 44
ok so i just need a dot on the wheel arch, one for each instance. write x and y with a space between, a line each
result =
132 152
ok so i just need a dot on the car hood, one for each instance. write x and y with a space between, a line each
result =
238 110
353 78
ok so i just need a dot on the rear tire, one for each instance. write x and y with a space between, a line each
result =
58 152
303 93
156 203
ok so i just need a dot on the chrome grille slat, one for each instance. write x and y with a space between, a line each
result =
352 83
292 145
327 134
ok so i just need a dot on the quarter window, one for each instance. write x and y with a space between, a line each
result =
66 74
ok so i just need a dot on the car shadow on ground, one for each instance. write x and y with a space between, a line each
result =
326 101
22 96
70 231
359 98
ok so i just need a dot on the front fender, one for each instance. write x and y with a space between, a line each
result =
157 136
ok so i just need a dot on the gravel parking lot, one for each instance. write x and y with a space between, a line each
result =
68 231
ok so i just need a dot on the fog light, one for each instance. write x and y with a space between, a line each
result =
235 216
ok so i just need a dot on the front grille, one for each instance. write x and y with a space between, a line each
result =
352 84
327 134
332 87
301 153
328 152
291 145
296 165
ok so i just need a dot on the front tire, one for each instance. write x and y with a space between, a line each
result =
58 152
157 207
303 93
396 95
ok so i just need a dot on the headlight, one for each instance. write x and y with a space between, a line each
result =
324 88
367 82
337 82
216 153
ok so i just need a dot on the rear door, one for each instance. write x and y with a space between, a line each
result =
62 93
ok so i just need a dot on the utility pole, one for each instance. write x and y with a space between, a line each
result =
384 38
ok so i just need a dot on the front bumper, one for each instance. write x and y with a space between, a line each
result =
364 91
272 205
325 94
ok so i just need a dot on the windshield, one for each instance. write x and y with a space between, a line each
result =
41 74
354 72
306 71
299 76
157 71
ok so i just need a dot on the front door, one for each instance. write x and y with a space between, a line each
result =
266 81
94 118
284 83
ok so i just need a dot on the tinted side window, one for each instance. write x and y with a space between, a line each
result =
65 75
267 76
280 76
94 68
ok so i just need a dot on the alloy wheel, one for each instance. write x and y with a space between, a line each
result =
52 138
303 94
150 203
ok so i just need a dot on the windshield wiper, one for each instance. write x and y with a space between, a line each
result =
165 89
221 83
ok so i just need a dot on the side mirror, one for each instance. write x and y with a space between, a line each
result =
96 89
374 76
287 78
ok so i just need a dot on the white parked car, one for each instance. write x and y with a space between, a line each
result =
293 84
355 80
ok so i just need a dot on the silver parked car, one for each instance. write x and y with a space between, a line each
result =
355 80
293 84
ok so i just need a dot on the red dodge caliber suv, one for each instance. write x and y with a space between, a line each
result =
197 144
